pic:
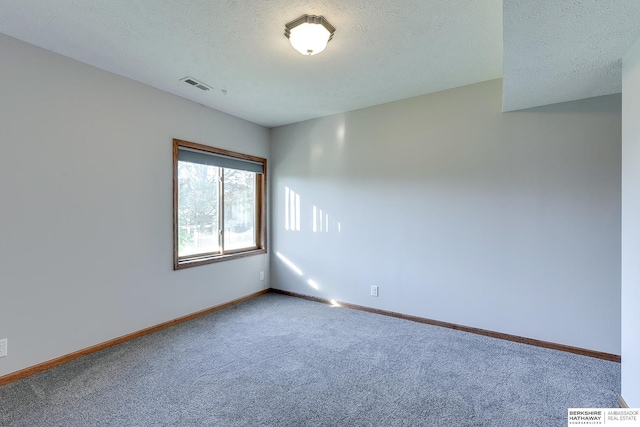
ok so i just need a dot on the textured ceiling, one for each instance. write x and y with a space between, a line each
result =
382 50
562 50
554 50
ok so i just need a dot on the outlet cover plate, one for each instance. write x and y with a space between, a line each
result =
374 291
3 347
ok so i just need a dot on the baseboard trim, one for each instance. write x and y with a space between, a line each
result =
492 334
622 403
27 372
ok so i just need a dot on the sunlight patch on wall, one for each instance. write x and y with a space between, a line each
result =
289 264
320 221
291 210
310 282
340 135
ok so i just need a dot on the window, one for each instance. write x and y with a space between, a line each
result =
219 204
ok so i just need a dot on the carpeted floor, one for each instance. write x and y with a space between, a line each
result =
282 361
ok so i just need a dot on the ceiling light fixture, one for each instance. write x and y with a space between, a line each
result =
309 34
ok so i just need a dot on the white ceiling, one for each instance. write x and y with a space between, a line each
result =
554 50
563 50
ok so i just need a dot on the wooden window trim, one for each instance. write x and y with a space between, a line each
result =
261 207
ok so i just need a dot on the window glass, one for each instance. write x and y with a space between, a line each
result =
197 209
239 209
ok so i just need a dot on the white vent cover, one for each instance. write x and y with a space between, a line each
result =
196 83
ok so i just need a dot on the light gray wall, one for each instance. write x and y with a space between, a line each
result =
460 213
86 196
631 226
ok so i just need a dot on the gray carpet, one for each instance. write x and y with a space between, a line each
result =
282 361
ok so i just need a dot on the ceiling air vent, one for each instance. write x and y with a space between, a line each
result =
195 83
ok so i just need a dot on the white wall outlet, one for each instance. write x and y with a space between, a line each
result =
262 275
374 291
3 347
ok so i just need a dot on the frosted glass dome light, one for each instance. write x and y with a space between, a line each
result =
309 34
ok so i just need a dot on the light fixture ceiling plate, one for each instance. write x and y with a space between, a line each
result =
309 19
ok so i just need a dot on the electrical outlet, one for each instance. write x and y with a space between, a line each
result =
3 347
374 291
262 275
